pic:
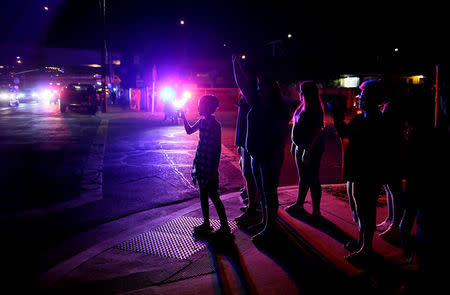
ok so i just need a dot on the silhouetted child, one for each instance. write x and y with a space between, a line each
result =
205 169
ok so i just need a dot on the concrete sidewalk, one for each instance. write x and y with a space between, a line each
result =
156 254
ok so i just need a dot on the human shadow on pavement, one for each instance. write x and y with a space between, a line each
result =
324 225
309 273
386 273
223 249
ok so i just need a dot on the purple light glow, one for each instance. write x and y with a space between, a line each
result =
167 94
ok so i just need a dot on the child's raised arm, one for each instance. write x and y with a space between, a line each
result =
190 129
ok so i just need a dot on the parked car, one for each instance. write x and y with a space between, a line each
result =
8 97
78 96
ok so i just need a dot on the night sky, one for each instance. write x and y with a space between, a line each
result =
335 34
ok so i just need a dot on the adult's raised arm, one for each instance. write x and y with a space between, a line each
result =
245 81
338 114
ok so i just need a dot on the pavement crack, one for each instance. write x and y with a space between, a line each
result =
175 168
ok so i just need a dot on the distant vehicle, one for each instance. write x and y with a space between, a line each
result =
28 95
174 101
49 95
8 97
80 96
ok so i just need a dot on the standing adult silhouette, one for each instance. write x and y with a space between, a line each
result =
267 131
309 146
364 164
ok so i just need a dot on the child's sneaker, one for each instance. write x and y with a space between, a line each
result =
202 230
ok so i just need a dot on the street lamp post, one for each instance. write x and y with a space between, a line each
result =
274 46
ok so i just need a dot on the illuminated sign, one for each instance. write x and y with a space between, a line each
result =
56 69
349 82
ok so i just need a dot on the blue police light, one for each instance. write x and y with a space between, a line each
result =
167 94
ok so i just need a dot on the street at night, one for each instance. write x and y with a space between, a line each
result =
121 168
242 147
103 168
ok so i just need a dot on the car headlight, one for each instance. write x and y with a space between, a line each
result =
179 103
21 95
46 95
4 95
167 94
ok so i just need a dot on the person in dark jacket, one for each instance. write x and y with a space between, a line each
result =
364 164
267 132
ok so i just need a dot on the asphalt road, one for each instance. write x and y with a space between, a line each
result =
47 159
42 155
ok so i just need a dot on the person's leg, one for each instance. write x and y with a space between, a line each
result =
353 245
303 183
351 200
389 201
215 199
270 174
256 172
252 191
397 199
315 187
303 178
204 205
244 193
204 228
365 194
407 221
316 192
396 193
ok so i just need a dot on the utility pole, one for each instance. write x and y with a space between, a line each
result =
274 46
104 56
153 87
436 89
